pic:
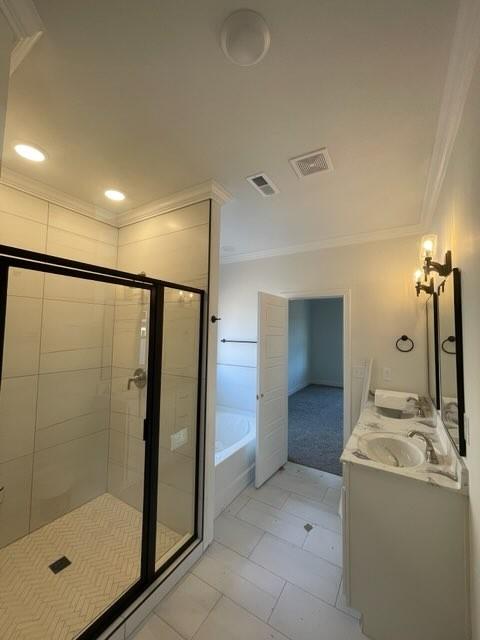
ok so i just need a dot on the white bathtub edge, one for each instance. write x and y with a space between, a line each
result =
225 497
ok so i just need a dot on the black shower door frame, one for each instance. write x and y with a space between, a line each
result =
12 257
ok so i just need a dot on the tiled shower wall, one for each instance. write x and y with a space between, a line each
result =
55 400
69 428
173 247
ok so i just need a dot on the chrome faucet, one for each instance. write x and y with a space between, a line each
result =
430 453
417 404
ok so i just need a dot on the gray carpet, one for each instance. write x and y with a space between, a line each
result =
315 428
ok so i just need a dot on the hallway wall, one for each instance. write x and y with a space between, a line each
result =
299 344
326 331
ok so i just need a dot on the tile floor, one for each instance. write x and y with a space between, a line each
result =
102 539
265 577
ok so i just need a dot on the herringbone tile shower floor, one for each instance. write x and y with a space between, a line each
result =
102 539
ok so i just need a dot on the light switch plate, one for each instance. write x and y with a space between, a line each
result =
387 373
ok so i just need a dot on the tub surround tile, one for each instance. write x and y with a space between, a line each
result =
301 616
228 621
300 567
188 605
237 535
275 521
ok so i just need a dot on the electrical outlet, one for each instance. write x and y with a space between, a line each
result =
387 374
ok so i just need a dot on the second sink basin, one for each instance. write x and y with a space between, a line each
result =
391 449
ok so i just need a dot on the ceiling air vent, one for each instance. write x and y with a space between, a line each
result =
311 163
262 183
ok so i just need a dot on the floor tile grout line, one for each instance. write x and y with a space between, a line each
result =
155 613
302 547
276 602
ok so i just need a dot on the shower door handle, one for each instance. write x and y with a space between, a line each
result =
139 378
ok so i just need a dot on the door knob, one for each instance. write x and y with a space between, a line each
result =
139 379
214 319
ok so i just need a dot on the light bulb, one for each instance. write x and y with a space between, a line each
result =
428 247
418 275
30 153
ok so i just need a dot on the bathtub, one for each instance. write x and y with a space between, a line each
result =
235 433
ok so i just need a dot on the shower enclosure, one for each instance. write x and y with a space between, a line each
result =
101 436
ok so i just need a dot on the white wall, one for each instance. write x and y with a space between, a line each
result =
326 356
457 223
299 344
383 304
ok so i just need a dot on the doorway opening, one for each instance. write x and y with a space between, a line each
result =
315 382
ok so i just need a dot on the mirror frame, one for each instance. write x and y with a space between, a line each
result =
433 299
457 311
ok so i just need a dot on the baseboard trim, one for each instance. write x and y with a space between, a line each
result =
298 387
327 383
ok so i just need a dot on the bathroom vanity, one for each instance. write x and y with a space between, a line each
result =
405 528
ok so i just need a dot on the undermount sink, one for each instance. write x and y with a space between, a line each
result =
391 449
396 414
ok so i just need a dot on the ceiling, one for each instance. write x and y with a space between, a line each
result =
139 96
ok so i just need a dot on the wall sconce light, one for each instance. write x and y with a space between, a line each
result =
442 269
423 287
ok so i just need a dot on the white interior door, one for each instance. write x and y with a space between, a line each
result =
272 386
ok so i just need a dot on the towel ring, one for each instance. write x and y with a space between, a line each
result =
408 347
449 339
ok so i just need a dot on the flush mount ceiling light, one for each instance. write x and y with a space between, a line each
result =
245 37
30 153
113 194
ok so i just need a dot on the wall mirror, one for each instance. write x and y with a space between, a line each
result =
431 309
450 350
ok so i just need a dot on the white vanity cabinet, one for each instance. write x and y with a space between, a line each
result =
405 555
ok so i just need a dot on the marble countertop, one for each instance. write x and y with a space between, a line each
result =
450 473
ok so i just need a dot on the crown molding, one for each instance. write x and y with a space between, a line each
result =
44 191
209 190
26 24
326 243
464 54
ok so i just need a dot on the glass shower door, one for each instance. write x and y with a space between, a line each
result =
180 422
72 451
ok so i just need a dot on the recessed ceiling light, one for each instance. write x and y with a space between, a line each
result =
113 194
30 153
